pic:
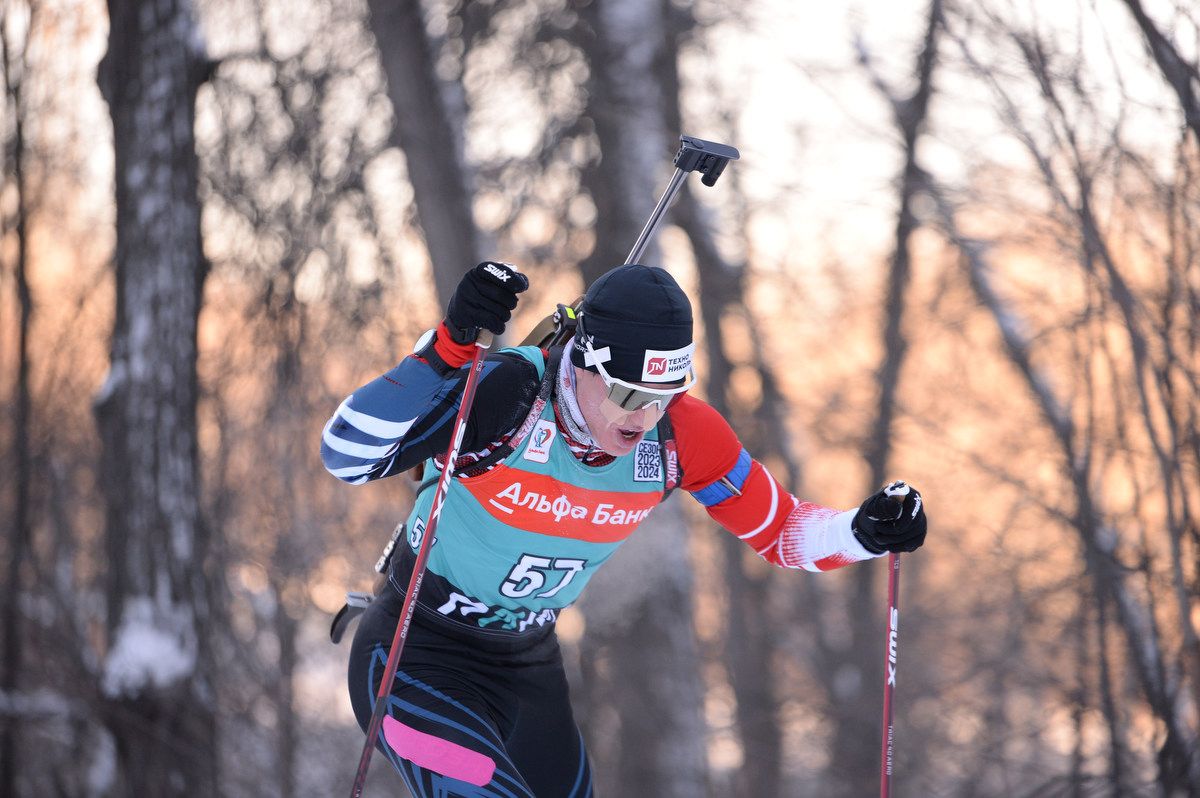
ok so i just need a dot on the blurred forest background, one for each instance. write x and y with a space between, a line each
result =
961 247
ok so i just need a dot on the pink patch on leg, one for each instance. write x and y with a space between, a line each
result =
434 753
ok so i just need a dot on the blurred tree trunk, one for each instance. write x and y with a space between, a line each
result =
284 689
751 631
280 516
1117 755
294 551
431 136
1177 377
1182 76
623 42
639 653
156 676
18 530
851 683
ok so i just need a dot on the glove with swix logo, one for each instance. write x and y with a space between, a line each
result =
484 299
892 520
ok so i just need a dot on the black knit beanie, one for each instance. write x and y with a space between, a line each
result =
639 323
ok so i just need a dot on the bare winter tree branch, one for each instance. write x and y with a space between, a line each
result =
1183 77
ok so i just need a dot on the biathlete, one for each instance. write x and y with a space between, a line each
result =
566 451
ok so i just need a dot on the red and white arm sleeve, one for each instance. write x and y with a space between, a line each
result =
817 538
742 496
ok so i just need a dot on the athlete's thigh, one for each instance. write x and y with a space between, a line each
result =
545 742
444 744
438 731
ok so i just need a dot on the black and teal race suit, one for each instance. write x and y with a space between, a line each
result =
479 706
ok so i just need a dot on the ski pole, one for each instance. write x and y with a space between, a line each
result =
482 344
897 491
889 739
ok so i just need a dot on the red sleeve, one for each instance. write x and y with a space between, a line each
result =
749 503
708 448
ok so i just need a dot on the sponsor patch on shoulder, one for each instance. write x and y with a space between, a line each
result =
647 462
540 440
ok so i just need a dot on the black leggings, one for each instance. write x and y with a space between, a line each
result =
469 715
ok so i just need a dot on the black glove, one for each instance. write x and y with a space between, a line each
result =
883 523
484 299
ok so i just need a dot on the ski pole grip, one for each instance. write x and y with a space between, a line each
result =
896 491
484 339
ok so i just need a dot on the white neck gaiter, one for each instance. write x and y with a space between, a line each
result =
572 416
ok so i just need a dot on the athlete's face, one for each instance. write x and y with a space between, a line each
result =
614 430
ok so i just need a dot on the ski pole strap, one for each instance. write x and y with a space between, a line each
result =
670 457
549 376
